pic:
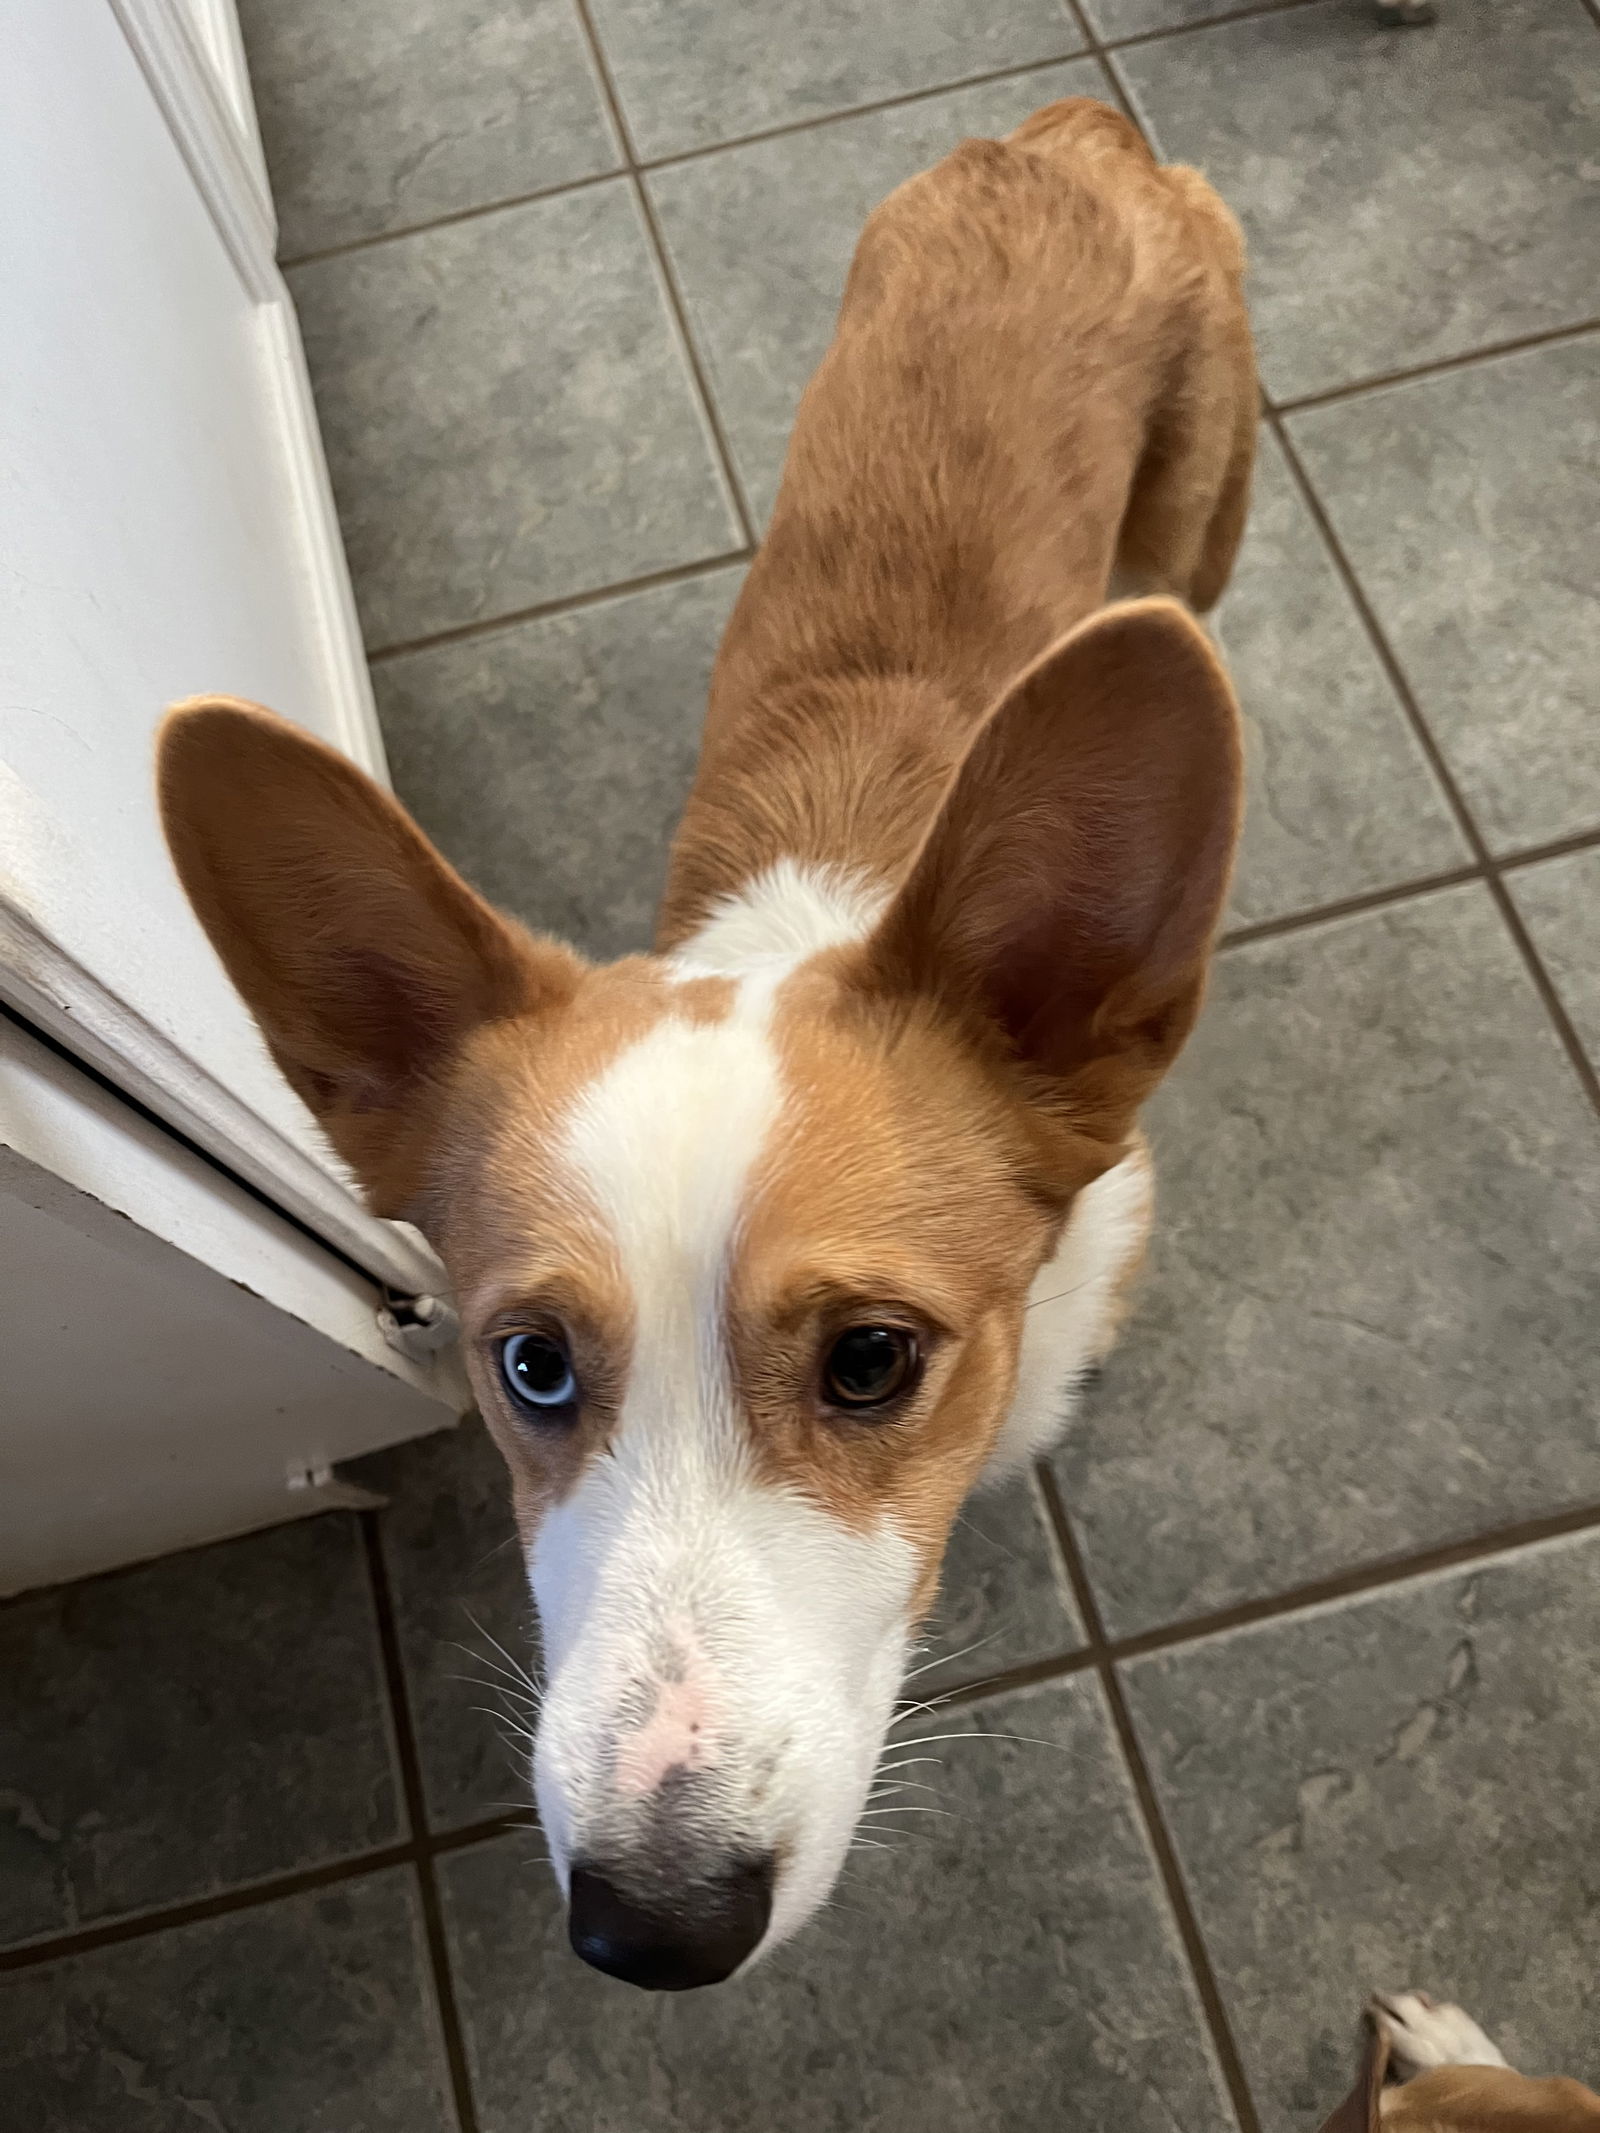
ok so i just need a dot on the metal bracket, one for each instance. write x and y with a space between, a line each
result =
418 1326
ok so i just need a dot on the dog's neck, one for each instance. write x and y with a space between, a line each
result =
834 779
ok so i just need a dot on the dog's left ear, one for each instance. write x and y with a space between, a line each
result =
366 960
1068 892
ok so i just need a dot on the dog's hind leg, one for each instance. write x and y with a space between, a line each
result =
1191 490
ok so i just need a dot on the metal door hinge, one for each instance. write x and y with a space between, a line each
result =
418 1326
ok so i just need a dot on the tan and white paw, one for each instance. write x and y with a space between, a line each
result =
1424 2033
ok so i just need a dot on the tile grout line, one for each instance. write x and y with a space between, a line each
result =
1554 1006
673 294
249 1895
646 166
1092 45
1165 33
564 604
291 263
1095 48
1490 352
1384 1574
1414 885
1271 929
1529 855
1522 940
140 1925
1157 1834
898 102
449 2016
1032 1674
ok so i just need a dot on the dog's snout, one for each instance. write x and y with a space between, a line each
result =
698 1934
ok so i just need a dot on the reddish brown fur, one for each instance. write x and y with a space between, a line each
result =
365 958
1457 2099
1066 896
1488 2099
1042 369
940 1233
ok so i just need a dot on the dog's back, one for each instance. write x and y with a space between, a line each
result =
1041 381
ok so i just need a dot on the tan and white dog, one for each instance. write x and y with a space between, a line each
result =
1428 2068
770 1244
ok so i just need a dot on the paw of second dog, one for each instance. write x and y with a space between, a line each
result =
1424 2033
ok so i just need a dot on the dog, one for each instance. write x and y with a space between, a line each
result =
1428 2068
770 1244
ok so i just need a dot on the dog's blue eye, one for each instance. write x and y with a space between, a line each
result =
538 1373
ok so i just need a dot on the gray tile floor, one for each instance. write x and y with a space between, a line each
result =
1284 1679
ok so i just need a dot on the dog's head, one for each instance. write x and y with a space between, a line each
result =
742 1237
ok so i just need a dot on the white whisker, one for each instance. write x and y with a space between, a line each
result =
980 1733
950 1658
876 1814
519 1671
521 1684
1040 1301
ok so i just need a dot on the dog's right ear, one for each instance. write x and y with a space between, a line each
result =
365 959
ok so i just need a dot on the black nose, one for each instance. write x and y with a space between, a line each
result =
697 1936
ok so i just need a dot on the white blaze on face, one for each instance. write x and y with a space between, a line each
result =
699 1622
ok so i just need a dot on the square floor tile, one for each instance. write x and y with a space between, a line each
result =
1339 797
1396 1792
690 72
179 1729
1003 1599
1405 197
380 117
310 2015
507 414
762 238
464 1617
1468 505
1371 1320
550 761
1014 1967
1561 903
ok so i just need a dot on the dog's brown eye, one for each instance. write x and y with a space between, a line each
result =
868 1365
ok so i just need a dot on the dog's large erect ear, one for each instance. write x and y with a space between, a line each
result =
1069 889
365 959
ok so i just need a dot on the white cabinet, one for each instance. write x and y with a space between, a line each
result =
165 529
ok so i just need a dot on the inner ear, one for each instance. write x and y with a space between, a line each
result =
1069 889
365 958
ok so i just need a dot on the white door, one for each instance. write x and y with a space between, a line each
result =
165 530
